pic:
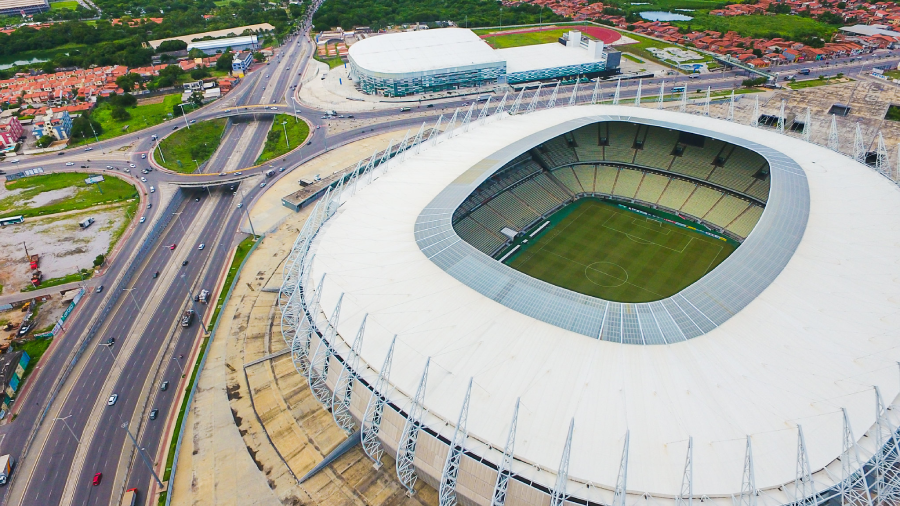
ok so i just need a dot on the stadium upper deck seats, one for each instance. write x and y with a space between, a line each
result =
726 210
652 187
743 224
557 152
658 144
587 143
606 179
513 209
586 175
477 235
566 176
627 183
701 201
621 141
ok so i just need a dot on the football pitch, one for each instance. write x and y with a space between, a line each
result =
601 250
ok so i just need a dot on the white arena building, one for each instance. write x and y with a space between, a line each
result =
764 382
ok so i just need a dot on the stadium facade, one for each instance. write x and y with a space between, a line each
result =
496 389
428 61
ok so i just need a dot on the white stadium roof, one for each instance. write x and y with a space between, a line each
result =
814 341
423 51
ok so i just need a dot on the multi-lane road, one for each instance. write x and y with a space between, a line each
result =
81 435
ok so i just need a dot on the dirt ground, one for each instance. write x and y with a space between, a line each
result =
63 246
50 309
152 100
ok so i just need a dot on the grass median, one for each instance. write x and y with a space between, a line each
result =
62 192
296 130
239 255
35 350
185 150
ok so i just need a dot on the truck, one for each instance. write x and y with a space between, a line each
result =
7 463
804 72
34 261
187 317
204 296
130 497
86 223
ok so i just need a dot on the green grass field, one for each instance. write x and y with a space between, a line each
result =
198 142
604 251
297 132
70 5
142 116
82 195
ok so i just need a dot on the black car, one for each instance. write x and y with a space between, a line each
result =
111 341
164 386
154 413
155 274
184 263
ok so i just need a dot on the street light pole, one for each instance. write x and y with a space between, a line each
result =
286 141
183 116
248 214
180 222
178 362
198 165
159 147
143 456
136 306
70 428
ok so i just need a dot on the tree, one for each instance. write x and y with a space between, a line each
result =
127 81
44 141
199 73
196 53
123 100
196 98
757 52
224 62
119 113
82 127
172 45
99 260
259 57
749 83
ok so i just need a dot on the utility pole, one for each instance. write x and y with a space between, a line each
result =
70 428
143 456
248 214
286 141
183 116
27 256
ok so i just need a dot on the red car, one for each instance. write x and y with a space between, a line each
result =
97 478
172 247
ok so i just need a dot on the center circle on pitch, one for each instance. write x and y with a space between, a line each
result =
606 274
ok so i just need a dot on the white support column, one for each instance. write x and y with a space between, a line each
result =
371 422
683 106
552 101
807 126
781 118
447 490
316 303
833 140
595 96
468 118
886 473
435 131
417 142
662 95
406 454
534 99
748 484
685 496
754 120
318 365
401 149
882 164
730 115
383 162
804 487
343 388
574 97
451 125
859 148
708 100
504 471
854 489
622 479
616 94
518 103
482 116
558 496
637 96
502 105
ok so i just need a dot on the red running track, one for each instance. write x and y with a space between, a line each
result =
605 34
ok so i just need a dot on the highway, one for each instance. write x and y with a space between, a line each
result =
65 455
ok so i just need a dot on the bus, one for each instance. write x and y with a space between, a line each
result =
130 497
678 89
12 220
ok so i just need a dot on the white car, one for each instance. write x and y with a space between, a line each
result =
132 165
201 246
143 179
112 399
240 205
69 164
152 190
262 185
109 167
143 219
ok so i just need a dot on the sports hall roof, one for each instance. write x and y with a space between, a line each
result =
814 340
424 51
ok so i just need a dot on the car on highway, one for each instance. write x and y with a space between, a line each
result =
143 156
262 185
239 173
164 386
143 219
172 246
267 75
273 108
184 262
145 171
97 478
152 190
149 205
88 149
112 399
175 127
69 164
280 169
201 246
99 288
240 205
143 179
111 341
193 121
155 274
154 413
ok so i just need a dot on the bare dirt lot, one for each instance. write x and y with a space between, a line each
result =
64 247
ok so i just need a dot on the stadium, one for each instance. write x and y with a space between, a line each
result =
608 305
